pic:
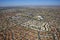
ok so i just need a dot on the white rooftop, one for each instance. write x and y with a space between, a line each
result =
40 17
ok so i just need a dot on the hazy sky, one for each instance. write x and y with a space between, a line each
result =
28 2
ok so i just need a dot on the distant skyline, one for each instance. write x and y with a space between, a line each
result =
5 3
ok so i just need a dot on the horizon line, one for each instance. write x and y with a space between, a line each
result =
33 6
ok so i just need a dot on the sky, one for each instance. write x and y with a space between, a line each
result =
28 2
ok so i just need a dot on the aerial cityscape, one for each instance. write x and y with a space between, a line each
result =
30 20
